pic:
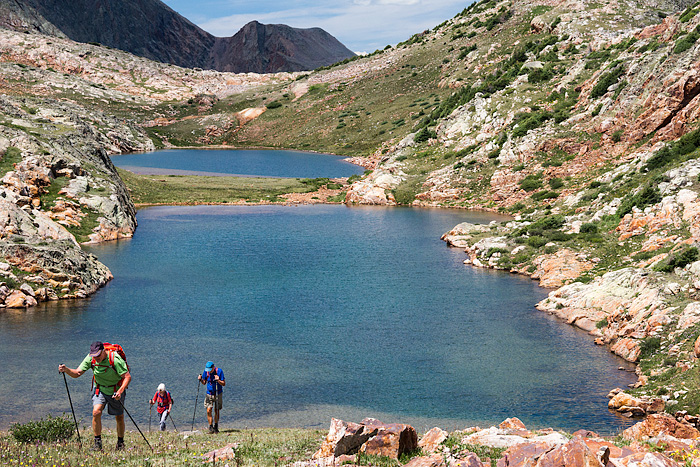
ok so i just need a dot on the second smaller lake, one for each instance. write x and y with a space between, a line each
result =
237 162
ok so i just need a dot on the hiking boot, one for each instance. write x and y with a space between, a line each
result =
216 428
120 445
97 446
211 429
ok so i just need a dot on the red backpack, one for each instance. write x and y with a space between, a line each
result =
111 349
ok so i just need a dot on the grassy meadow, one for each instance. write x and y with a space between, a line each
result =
256 447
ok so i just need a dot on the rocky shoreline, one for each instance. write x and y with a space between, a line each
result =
626 307
59 188
658 441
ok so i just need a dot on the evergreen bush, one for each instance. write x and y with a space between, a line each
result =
607 80
51 429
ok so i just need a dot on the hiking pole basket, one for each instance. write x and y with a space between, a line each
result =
77 430
137 427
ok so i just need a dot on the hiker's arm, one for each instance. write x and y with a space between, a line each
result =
72 372
219 380
125 383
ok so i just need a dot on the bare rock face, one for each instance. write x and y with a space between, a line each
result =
390 440
625 403
66 148
574 453
370 436
374 190
436 460
343 438
561 268
432 439
660 423
227 452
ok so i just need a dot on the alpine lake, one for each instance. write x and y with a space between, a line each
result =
312 312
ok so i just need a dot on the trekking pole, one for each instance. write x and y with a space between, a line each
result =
77 430
195 404
170 414
150 409
216 404
137 427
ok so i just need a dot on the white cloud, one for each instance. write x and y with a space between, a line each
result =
359 24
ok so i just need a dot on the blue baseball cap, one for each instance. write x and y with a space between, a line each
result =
209 367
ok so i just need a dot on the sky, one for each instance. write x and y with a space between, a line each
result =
362 25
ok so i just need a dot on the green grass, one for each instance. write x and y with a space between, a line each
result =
265 447
193 189
12 156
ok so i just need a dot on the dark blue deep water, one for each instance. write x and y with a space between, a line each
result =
314 312
244 162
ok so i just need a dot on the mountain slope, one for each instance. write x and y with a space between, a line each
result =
151 29
270 48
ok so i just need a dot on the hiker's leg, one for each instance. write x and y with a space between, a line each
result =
163 416
121 426
97 418
209 415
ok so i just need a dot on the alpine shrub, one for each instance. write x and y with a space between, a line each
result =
52 429
649 195
544 194
424 135
556 183
648 346
547 223
680 260
588 228
687 15
607 80
685 42
531 183
540 75
686 144
274 105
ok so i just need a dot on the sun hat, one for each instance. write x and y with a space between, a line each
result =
95 348
161 387
209 367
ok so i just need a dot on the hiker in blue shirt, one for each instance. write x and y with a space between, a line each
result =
213 377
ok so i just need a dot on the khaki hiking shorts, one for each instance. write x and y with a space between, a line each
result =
209 401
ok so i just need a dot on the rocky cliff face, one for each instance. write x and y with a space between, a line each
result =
59 187
151 29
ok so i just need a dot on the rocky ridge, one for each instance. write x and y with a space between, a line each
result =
151 29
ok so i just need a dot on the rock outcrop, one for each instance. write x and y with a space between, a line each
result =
657 442
370 436
59 184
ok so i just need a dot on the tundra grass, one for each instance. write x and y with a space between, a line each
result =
256 447
194 189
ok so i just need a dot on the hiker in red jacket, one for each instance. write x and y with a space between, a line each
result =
165 404
111 379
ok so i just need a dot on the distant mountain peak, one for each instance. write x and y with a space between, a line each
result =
151 29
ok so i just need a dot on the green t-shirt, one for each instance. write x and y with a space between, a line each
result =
105 376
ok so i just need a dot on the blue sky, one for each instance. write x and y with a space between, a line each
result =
362 25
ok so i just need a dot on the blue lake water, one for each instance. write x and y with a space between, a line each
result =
314 312
248 162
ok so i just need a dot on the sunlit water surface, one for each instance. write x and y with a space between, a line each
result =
242 162
313 312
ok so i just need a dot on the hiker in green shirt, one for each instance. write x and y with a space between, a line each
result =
112 377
